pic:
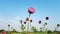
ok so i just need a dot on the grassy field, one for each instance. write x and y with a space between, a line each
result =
34 33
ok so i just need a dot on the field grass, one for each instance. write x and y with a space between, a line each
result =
34 33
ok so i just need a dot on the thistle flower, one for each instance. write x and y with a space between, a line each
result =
8 25
25 22
39 22
30 20
3 32
27 19
31 10
21 21
58 25
47 18
45 23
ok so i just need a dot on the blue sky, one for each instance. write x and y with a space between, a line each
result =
11 11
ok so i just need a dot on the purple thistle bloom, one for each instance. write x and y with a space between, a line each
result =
24 22
39 22
27 19
30 20
31 10
3 32
8 25
47 18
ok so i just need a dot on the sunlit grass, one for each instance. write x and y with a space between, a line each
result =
33 33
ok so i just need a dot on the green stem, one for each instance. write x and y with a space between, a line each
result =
8 30
55 30
25 27
46 31
28 27
28 23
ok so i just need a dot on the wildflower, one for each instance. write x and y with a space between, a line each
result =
30 20
27 19
3 32
45 23
39 22
47 18
31 10
58 25
24 22
8 25
21 21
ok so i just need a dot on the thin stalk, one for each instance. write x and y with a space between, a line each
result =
25 27
55 29
8 29
46 31
11 31
14 31
28 23
28 27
